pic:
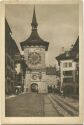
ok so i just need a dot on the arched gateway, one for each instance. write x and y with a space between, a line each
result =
34 53
34 87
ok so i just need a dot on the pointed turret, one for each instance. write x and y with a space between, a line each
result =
34 23
34 38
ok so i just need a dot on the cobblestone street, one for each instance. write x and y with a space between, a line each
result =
37 105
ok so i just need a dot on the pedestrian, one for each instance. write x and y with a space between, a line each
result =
62 93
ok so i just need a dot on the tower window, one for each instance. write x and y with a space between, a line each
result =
65 65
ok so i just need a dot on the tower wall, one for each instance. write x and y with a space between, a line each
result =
34 53
36 73
41 52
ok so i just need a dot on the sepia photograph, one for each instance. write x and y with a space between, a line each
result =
44 124
42 60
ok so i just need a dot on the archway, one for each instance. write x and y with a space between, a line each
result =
34 87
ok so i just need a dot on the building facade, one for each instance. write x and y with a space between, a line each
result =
34 54
10 51
20 67
51 78
75 53
69 71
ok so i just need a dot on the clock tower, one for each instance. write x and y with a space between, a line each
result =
34 53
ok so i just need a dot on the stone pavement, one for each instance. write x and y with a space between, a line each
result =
39 105
25 105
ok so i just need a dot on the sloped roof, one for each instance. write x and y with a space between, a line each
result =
71 54
10 44
34 39
34 20
64 56
75 49
7 28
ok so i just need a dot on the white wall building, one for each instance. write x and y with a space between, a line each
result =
67 70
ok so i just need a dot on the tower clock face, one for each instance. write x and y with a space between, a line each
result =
34 58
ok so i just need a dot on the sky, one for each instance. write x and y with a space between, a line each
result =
57 23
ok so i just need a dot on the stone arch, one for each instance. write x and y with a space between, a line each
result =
34 87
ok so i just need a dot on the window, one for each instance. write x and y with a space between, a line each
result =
65 65
68 80
70 64
67 73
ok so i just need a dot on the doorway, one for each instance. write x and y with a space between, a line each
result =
34 87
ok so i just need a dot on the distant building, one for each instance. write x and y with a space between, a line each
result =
11 50
69 69
21 68
51 78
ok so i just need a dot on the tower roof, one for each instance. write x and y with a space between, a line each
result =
34 39
34 23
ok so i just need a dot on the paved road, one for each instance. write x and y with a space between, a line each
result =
49 110
25 105
37 105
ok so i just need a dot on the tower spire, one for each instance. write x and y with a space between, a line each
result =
34 23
